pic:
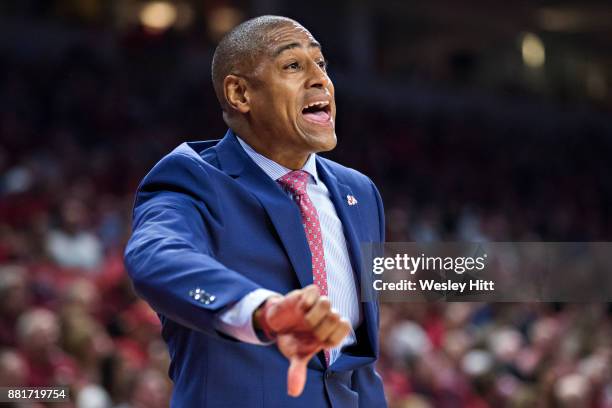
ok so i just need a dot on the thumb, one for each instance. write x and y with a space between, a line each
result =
296 376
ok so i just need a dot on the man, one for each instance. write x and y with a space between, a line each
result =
243 246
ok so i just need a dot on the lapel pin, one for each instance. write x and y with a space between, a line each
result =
351 200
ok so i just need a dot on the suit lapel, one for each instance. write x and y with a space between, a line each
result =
350 217
352 224
283 212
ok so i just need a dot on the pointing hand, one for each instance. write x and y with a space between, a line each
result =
303 323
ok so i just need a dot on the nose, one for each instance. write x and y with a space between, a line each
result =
317 77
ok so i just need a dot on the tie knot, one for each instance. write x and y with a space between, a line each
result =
295 181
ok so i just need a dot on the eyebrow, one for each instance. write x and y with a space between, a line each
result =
283 48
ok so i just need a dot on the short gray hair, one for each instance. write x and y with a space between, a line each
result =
239 50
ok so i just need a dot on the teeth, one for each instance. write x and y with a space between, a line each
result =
322 104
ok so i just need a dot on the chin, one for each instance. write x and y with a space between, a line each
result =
320 137
322 142
331 142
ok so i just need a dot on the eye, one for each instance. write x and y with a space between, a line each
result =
293 66
322 64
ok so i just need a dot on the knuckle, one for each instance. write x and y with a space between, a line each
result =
334 318
320 336
324 303
310 321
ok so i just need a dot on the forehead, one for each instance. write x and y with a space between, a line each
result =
290 33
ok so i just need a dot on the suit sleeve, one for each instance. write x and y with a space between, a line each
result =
169 256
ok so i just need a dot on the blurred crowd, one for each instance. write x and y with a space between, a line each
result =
78 132
496 355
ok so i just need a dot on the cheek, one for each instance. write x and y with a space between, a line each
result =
277 103
285 104
265 108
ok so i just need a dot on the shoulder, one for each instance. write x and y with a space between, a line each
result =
191 169
188 162
201 154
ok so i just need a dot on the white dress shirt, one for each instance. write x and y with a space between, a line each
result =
236 320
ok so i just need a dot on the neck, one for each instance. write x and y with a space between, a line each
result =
280 154
293 162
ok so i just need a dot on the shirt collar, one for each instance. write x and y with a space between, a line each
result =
275 170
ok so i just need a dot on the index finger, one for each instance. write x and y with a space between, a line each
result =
310 294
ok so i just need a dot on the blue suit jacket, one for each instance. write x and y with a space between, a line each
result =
207 217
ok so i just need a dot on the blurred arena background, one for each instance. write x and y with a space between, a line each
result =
478 120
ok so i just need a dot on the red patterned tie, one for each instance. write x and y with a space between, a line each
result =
295 182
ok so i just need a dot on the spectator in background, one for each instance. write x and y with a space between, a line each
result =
93 396
38 335
13 301
72 244
87 341
13 369
150 389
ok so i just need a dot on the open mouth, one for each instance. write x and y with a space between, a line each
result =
318 112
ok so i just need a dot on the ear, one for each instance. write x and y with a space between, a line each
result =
236 93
